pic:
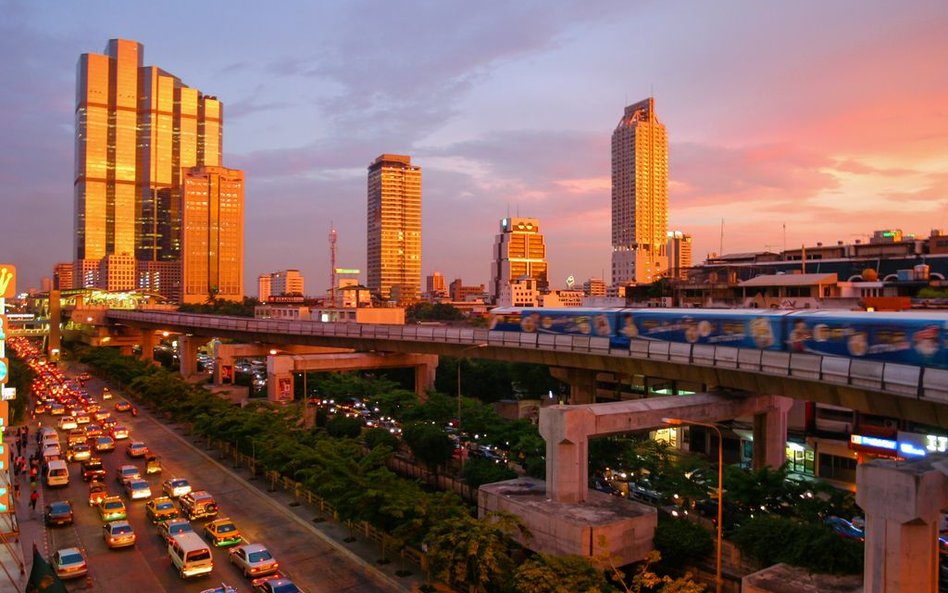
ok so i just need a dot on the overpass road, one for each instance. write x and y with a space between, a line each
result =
310 561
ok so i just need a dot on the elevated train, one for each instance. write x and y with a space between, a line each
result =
911 338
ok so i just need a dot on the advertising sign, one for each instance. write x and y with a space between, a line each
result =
7 281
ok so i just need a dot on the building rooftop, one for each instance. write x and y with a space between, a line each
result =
789 280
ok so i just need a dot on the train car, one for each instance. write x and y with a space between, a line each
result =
912 338
738 328
567 320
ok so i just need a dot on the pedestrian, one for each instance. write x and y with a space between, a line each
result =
19 448
34 497
34 473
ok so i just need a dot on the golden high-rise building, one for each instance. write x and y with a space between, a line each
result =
212 241
639 196
394 228
519 250
137 129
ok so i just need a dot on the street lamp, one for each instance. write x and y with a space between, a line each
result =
460 358
718 582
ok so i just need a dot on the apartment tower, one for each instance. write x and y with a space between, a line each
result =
138 129
679 254
212 238
639 196
394 229
519 250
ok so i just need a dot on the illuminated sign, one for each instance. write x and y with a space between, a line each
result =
4 370
874 442
348 271
911 450
7 281
7 393
920 445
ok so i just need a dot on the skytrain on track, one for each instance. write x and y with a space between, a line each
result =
912 338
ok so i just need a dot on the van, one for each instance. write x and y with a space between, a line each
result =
57 473
190 555
49 439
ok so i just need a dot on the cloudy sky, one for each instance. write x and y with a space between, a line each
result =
830 118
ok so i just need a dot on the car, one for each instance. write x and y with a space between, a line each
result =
127 472
69 563
222 532
67 423
152 465
844 529
79 452
75 437
109 423
83 377
93 431
137 489
122 406
101 415
83 418
92 469
103 444
118 534
253 560
58 513
271 585
175 487
222 588
57 409
136 449
119 432
198 504
106 394
172 527
111 508
97 492
160 509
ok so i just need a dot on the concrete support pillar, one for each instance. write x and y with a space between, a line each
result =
280 378
902 504
770 433
54 346
425 379
187 354
567 458
148 344
582 384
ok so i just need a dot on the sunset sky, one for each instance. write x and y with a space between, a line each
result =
828 117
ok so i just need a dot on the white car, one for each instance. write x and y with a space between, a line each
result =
68 423
254 560
137 489
175 487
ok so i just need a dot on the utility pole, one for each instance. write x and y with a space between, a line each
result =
332 263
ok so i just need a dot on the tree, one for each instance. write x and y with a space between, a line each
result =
681 542
475 552
343 427
481 471
559 574
429 444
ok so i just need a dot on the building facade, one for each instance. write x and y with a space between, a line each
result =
639 195
63 276
138 128
394 228
519 250
435 288
284 282
679 254
212 242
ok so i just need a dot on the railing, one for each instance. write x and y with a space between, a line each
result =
896 379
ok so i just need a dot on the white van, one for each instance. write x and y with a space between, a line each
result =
57 473
49 437
190 555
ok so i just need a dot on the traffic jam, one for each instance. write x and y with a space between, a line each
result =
80 457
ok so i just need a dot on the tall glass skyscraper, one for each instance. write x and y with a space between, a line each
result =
137 129
394 229
639 196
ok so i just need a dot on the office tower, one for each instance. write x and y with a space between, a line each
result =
286 282
519 251
394 228
63 276
264 288
594 287
212 238
435 286
679 254
137 129
639 195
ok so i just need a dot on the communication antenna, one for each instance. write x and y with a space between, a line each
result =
784 237
332 263
722 237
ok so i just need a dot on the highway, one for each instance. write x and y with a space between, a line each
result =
313 564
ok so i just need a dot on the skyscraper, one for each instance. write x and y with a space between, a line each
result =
639 195
519 251
137 129
212 242
679 254
394 228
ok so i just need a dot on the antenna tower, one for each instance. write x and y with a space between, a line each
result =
332 263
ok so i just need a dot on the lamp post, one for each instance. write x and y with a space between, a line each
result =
718 582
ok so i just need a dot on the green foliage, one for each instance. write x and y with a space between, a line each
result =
559 574
380 437
646 580
343 427
428 443
422 311
681 542
482 471
771 539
